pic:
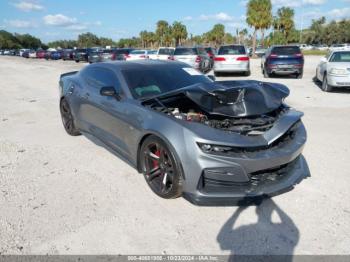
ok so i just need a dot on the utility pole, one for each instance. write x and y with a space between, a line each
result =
301 25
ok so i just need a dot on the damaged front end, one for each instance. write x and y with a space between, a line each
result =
250 141
249 109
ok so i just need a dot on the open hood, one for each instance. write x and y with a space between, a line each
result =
234 98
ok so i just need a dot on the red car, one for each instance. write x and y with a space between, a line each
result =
41 54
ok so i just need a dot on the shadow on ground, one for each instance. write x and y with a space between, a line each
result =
266 237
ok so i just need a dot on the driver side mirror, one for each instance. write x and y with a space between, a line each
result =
109 91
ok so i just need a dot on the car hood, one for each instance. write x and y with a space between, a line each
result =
234 98
344 65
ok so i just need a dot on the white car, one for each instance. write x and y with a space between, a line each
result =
334 70
165 53
138 55
152 54
230 59
339 47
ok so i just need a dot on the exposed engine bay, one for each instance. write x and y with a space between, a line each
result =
247 111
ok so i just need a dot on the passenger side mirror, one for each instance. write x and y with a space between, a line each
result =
109 91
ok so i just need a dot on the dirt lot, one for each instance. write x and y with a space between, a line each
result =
67 195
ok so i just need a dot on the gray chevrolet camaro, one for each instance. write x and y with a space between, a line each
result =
212 142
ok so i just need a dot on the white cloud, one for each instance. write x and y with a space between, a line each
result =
339 13
297 3
219 17
20 23
188 18
314 2
59 20
28 6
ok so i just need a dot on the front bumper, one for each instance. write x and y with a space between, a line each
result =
338 81
238 177
218 194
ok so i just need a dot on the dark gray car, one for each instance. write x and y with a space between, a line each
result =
211 142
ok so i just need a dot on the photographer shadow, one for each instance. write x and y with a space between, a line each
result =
264 238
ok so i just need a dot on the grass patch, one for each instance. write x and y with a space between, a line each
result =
315 52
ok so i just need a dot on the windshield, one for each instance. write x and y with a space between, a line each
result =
158 80
232 50
340 57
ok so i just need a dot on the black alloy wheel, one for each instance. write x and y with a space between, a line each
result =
160 168
67 119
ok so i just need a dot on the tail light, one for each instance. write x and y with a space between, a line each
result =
219 59
243 58
198 59
113 56
299 55
273 56
171 58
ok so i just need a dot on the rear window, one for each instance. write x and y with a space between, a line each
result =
122 51
185 51
138 52
340 57
232 50
286 50
153 52
166 51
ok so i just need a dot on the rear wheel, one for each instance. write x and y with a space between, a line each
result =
247 73
67 119
325 86
161 168
300 75
217 74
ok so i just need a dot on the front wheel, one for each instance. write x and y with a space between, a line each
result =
161 168
266 74
325 86
67 119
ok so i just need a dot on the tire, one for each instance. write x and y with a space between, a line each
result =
77 61
325 86
247 73
67 119
217 74
266 75
299 76
161 168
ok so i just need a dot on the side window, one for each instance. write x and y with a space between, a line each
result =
101 77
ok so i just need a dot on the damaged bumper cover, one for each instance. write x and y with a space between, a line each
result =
250 168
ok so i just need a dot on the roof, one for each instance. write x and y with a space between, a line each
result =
139 64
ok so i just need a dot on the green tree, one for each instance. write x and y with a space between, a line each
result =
286 21
258 17
104 41
88 40
163 32
179 32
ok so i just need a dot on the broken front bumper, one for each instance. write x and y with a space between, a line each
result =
237 177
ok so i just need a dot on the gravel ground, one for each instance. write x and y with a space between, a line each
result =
68 195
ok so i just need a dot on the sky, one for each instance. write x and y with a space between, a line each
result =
62 19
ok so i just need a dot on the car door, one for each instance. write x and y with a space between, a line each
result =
322 67
105 114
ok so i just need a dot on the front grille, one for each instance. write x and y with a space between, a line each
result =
257 179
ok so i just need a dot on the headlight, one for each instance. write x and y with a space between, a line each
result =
338 71
207 148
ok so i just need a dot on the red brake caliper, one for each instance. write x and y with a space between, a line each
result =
155 162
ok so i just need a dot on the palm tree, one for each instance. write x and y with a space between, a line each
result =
286 21
179 32
259 17
162 31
